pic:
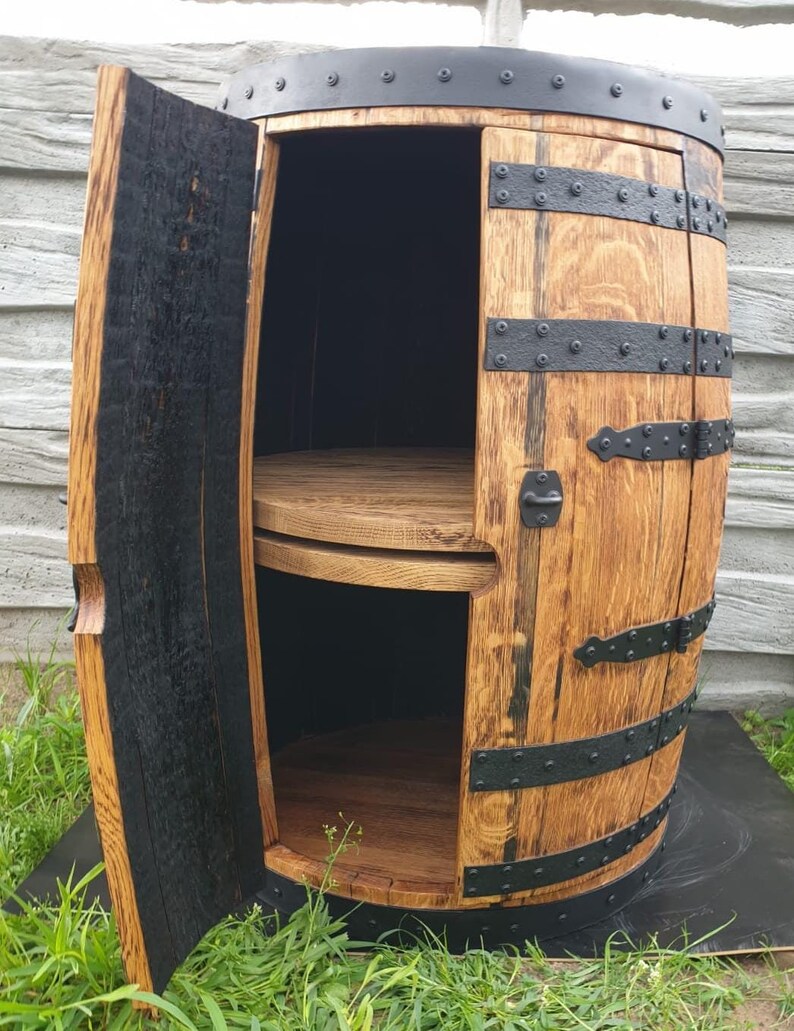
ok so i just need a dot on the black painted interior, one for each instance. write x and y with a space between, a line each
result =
369 338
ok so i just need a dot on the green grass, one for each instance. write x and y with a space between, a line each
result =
775 738
60 964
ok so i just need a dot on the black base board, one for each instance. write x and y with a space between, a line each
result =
726 876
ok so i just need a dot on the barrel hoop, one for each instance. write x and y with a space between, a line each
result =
591 345
584 192
662 441
532 766
483 77
642 642
556 867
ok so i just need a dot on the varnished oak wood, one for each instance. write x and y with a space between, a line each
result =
414 499
261 223
571 581
475 117
374 567
88 330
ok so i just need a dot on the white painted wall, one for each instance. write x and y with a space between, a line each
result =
46 99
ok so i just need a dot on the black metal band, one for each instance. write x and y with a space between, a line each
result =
540 871
488 927
662 441
499 77
585 345
643 642
511 769
584 192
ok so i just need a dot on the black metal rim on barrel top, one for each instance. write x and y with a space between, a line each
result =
487 927
494 77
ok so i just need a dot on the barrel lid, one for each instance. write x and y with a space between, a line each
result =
499 77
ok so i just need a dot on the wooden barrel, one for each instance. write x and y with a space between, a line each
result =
472 338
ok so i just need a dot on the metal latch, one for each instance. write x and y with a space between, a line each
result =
540 498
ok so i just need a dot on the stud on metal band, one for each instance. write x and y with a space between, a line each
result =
540 871
662 441
591 345
584 192
512 769
644 642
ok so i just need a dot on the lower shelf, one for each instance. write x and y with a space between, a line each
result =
399 781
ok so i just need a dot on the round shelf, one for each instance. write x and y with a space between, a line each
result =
389 778
408 499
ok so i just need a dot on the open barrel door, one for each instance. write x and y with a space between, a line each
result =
154 516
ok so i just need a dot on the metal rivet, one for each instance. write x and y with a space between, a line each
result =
632 635
629 735
696 222
668 627
687 335
558 81
387 75
506 76
680 221
540 174
646 453
664 363
663 331
505 889
610 899
501 327
501 171
710 225
695 201
538 871
482 757
683 451
575 346
647 430
576 188
654 724
704 115
629 655
718 338
249 92
649 750
503 196
562 917
541 477
605 860
683 429
515 783
280 84
665 646
608 841
687 366
517 757
718 364
709 204
656 218
332 78
514 928
625 347
667 102
623 193
616 89
626 759
444 74
628 848
549 764
703 364
542 329
541 360
605 444
679 196
590 652
480 784
372 923
653 189
507 870
540 198
500 360
593 757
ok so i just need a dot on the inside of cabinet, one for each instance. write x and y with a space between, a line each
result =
363 494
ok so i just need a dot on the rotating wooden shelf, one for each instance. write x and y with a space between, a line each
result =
379 517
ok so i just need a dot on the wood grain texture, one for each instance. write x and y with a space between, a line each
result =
578 571
415 499
374 567
154 512
261 224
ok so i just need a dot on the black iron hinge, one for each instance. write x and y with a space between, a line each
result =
643 642
661 441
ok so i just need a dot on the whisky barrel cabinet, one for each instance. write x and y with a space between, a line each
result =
400 440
